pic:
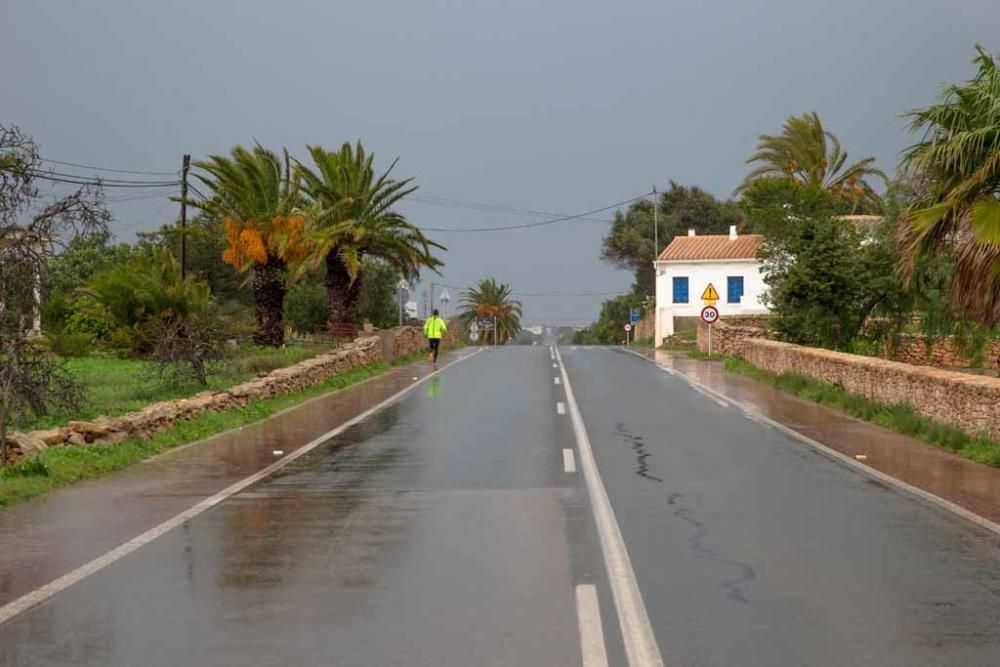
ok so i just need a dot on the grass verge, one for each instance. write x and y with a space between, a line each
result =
115 386
703 356
60 466
898 417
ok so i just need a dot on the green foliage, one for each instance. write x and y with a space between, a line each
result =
255 360
630 242
825 277
608 330
377 301
957 211
812 156
149 288
350 216
897 417
491 299
305 307
69 344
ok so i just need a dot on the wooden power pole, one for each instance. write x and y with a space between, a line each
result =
185 167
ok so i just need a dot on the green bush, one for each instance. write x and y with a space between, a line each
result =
69 344
306 307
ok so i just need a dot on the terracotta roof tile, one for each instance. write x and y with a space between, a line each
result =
682 248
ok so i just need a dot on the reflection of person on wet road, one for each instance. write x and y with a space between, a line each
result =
434 328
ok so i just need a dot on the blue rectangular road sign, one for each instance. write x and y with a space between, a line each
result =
635 315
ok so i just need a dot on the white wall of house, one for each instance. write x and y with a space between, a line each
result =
699 274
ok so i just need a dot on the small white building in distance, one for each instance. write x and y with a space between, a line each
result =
686 267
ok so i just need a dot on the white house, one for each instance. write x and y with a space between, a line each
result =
686 267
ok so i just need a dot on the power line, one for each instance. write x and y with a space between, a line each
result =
109 169
530 225
544 294
45 176
494 208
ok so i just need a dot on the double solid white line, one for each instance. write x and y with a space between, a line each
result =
641 648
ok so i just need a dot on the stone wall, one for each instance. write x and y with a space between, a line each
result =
160 416
943 352
968 402
727 339
645 328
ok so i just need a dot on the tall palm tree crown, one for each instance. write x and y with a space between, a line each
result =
957 168
256 196
351 216
812 155
492 300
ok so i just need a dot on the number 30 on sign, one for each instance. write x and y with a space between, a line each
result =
709 314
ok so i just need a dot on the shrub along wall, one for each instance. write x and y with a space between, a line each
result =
968 402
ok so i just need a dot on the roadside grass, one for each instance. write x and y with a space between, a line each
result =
897 417
115 386
61 466
703 356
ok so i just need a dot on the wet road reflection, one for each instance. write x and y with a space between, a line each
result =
969 484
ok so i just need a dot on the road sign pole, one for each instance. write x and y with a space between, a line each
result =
710 340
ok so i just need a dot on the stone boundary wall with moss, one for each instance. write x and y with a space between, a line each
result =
968 402
942 352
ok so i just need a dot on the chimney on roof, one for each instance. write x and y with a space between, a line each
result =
732 232
690 231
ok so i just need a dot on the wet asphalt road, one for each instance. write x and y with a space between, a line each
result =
445 531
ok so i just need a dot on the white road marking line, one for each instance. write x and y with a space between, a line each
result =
588 617
569 461
560 408
555 365
752 414
637 633
43 593
556 380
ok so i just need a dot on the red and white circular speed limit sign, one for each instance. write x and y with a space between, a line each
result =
709 314
628 327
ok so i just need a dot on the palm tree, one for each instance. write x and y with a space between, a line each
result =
811 155
957 168
256 196
351 217
492 299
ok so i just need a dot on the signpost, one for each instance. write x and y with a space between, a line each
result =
710 315
628 328
710 295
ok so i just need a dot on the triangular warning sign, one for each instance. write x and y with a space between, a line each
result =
710 294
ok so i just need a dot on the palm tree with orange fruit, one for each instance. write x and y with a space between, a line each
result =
256 196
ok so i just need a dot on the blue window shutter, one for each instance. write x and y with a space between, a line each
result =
734 289
680 290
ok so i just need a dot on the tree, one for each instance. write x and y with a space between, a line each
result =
490 299
351 218
812 156
608 330
629 243
824 276
31 380
956 166
377 301
255 195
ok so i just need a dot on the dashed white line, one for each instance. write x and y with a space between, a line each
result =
560 408
569 461
588 616
637 632
556 380
43 593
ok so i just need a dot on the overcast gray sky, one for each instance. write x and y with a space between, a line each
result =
556 105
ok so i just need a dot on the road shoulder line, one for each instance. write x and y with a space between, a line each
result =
839 457
637 632
43 593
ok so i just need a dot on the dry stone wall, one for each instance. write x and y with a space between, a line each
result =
943 352
161 416
968 402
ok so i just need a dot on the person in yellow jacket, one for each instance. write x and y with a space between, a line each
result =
434 329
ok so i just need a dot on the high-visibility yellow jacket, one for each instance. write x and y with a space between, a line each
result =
435 327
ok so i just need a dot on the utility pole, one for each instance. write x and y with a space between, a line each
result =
656 236
185 167
432 296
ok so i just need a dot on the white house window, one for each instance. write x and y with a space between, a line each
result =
680 285
734 289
